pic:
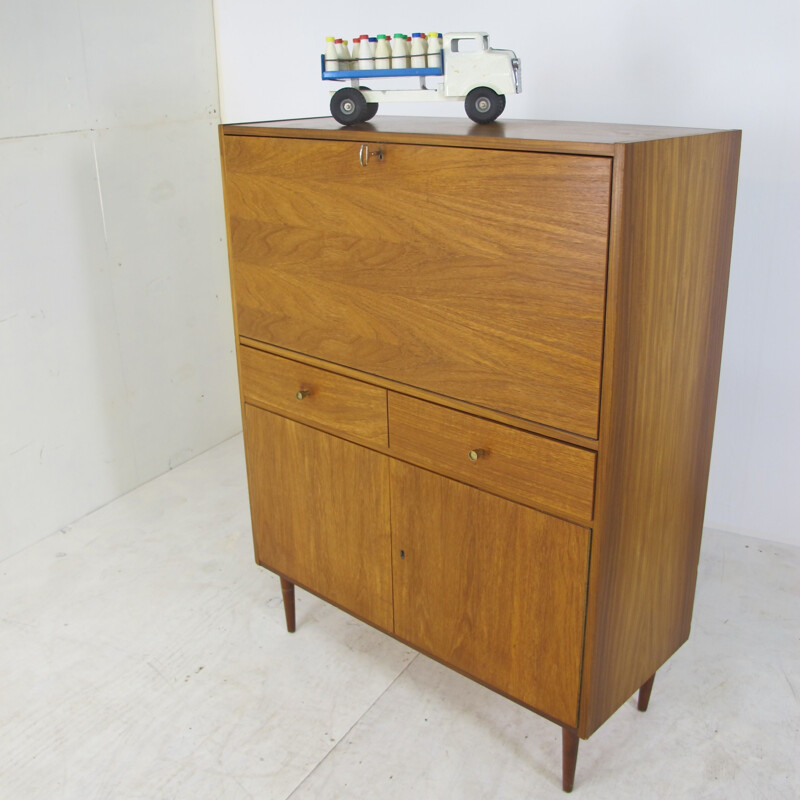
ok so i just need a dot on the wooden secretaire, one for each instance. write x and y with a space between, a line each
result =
478 370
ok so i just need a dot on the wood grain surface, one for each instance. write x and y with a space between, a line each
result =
320 509
566 278
668 285
349 408
430 397
515 464
479 275
549 136
493 588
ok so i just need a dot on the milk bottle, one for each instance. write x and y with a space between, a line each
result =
331 57
399 57
383 53
434 50
365 56
418 50
342 53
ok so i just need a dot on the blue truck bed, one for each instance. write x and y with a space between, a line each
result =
343 74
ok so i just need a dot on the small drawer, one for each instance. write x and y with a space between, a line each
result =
344 406
521 466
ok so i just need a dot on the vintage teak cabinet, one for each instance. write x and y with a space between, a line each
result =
478 370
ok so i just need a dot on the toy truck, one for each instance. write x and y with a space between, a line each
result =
471 71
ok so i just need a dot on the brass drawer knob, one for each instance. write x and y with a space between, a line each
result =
302 394
474 455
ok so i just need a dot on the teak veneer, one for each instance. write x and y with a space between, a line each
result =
478 382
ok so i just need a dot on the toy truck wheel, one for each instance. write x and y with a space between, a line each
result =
484 104
348 106
372 108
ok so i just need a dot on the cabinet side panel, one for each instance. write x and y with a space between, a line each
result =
670 256
222 143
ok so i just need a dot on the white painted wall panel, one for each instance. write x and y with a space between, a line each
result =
168 264
149 61
698 63
64 434
42 76
116 339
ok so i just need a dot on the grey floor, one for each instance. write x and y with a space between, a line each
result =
144 655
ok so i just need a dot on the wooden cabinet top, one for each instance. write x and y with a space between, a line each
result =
590 138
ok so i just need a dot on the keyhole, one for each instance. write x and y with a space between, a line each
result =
402 554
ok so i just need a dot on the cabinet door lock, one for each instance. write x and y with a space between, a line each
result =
474 455
364 154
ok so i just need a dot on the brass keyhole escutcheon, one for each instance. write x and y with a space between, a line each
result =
474 455
302 394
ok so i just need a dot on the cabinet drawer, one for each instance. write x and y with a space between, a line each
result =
344 406
522 466
476 274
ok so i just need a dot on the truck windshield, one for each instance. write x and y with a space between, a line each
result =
470 45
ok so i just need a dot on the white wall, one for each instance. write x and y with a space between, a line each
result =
116 342
698 63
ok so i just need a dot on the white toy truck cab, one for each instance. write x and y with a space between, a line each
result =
471 71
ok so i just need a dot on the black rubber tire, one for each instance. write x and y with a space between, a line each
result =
372 108
348 106
484 105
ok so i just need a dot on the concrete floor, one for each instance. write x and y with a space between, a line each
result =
144 655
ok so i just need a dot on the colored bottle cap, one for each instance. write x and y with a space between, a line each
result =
329 39
380 36
416 35
399 36
434 35
374 38
338 41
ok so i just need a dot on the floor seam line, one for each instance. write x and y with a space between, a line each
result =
347 732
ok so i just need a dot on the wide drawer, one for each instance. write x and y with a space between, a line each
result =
344 406
479 275
521 466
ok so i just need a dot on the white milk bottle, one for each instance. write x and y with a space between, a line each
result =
418 50
399 57
434 51
366 59
331 57
383 53
354 50
343 54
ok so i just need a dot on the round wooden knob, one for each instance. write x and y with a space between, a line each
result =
302 394
474 455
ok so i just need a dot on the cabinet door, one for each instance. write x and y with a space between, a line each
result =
476 274
493 588
320 508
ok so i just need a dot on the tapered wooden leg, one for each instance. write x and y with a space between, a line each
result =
287 589
644 692
569 757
